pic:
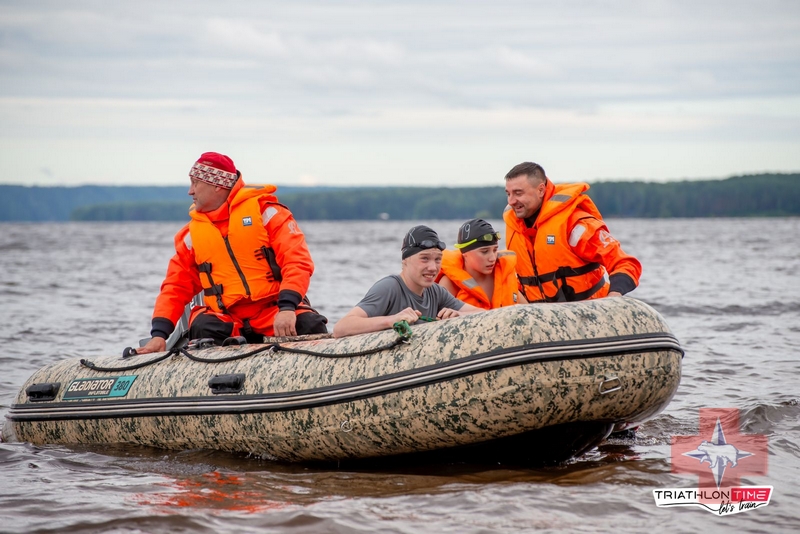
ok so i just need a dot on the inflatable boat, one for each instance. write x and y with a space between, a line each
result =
546 381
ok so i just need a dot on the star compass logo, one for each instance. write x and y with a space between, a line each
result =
719 455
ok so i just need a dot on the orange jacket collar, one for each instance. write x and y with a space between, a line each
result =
556 201
239 193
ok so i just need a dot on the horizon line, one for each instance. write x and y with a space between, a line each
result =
384 186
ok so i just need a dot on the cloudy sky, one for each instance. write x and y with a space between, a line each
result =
397 92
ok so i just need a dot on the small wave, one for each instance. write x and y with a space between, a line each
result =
15 246
768 418
98 522
659 430
13 293
734 327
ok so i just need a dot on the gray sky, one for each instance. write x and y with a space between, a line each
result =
397 92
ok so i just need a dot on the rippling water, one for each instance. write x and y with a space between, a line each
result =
728 288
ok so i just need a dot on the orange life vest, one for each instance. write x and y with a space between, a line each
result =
469 291
548 269
241 264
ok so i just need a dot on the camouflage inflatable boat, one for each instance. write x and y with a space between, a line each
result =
545 381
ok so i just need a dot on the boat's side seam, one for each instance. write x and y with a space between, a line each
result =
336 394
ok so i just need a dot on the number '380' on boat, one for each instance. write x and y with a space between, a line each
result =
538 383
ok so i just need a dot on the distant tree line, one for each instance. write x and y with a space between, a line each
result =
39 204
762 195
22 203
401 203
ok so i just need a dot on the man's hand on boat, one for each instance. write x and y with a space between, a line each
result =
448 313
284 324
409 315
358 322
156 344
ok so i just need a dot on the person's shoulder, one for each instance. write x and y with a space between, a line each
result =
391 281
275 216
387 284
587 216
183 231
183 239
379 298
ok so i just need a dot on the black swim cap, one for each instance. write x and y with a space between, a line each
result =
476 233
420 238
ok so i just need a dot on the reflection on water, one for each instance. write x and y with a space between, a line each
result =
81 290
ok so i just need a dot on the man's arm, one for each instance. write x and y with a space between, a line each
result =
180 285
591 240
358 322
294 259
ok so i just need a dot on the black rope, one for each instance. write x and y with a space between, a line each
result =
92 366
280 348
276 347
391 345
221 360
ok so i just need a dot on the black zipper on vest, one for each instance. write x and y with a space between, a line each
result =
236 264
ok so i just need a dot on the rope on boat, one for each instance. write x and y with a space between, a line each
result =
393 344
402 329
191 356
93 367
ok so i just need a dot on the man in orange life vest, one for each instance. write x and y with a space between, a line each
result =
564 249
246 253
477 273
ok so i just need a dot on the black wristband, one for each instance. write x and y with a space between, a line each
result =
288 300
621 283
161 327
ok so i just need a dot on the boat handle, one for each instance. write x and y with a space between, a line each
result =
43 392
232 383
609 384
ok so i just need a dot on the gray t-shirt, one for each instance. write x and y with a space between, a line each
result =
390 295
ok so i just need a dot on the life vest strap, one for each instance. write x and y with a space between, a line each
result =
561 296
213 291
561 272
268 254
246 329
583 295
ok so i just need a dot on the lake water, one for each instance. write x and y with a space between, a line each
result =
729 289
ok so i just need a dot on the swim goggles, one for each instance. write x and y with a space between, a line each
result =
485 237
429 243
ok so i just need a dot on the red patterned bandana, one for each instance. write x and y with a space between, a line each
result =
213 176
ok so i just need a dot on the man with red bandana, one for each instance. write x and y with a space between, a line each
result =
564 249
247 255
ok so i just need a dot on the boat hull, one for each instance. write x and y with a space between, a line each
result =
457 383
